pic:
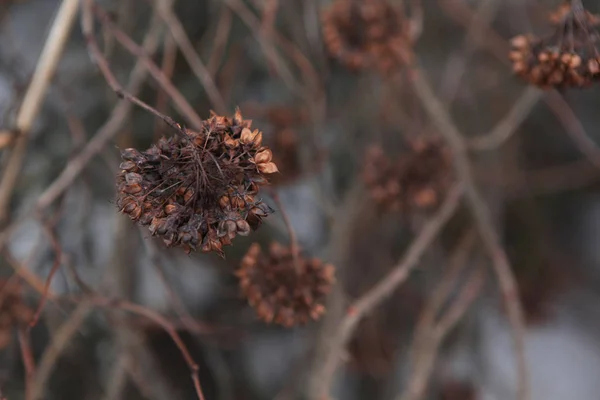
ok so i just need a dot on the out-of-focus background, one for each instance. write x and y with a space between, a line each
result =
443 333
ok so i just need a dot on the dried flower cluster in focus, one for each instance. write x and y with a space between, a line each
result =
198 191
281 291
417 180
13 311
366 34
567 58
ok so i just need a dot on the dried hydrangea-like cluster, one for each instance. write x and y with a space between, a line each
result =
367 33
201 190
567 58
13 311
281 291
417 180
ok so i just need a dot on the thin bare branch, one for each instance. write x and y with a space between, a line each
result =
59 343
45 69
372 298
510 123
502 268
193 59
107 131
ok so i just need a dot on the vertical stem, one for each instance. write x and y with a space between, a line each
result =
290 229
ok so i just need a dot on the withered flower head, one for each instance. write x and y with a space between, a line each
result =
201 190
368 33
281 291
418 179
566 58
13 311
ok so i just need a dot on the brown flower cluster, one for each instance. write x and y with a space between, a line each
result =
567 58
199 190
367 33
282 291
13 311
416 180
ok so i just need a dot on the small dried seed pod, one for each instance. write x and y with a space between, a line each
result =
281 291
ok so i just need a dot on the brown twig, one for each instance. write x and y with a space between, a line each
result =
290 229
110 78
49 229
176 301
372 298
24 273
107 131
45 69
192 57
27 356
502 268
164 324
167 67
92 298
441 293
574 127
304 65
509 124
59 343
182 104
433 339
220 41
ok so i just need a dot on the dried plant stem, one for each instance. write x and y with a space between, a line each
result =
182 104
303 64
193 59
110 78
45 69
27 357
502 268
372 298
509 124
175 299
59 343
24 273
424 347
220 41
167 68
290 229
433 338
107 131
442 292
164 324
574 127
49 229
118 377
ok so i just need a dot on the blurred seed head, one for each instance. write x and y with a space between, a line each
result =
418 180
282 292
367 34
566 58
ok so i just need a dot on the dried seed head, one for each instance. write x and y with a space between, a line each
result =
367 33
418 180
567 58
198 190
282 292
